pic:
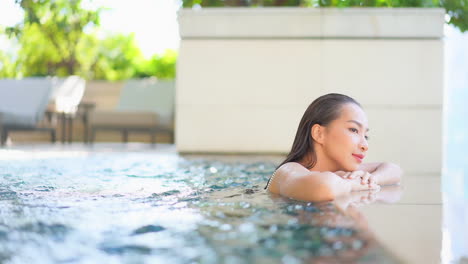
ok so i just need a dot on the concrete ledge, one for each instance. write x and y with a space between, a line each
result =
299 22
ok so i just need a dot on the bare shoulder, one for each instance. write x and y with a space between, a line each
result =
282 173
293 168
297 182
287 172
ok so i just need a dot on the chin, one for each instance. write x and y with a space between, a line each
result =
350 167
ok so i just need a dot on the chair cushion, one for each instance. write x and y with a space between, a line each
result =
17 120
23 102
123 119
149 95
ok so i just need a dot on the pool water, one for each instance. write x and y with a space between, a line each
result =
160 207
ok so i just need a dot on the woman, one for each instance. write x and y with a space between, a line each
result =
326 158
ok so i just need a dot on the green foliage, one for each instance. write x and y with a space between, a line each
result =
50 33
7 66
161 66
458 13
456 9
39 59
58 37
220 3
377 3
114 58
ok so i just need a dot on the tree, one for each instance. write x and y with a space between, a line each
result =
7 66
458 13
60 38
116 57
161 66
50 34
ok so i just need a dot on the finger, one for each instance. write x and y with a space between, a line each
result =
375 187
356 174
371 178
365 178
374 182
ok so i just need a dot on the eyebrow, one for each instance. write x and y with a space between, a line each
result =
357 123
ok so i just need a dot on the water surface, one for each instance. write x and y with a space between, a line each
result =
159 207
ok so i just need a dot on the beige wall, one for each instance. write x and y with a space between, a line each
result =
242 93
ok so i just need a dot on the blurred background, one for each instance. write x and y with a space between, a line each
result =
106 43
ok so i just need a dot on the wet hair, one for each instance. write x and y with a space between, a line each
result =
322 111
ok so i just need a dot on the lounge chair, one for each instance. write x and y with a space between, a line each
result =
66 97
67 93
145 105
23 104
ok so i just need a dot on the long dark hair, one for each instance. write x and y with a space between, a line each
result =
322 111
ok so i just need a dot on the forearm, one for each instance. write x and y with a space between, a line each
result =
316 187
387 174
338 186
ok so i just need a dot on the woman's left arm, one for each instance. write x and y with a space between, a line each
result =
384 173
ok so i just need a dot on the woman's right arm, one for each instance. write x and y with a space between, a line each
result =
295 181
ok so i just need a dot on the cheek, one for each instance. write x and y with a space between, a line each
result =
344 139
344 147
340 145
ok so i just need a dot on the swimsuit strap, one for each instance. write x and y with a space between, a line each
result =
270 180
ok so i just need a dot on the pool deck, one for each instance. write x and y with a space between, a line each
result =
408 224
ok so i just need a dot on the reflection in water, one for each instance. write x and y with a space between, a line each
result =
265 229
156 208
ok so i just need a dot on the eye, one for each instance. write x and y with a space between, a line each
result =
367 137
354 130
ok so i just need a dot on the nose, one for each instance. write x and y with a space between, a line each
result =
363 145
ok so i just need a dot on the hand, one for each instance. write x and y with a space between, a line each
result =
356 199
366 177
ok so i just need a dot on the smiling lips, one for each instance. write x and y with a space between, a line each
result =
359 157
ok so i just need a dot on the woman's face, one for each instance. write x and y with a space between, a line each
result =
345 139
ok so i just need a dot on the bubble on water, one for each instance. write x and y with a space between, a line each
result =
225 227
338 245
288 259
244 205
273 228
247 228
357 244
293 221
325 251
